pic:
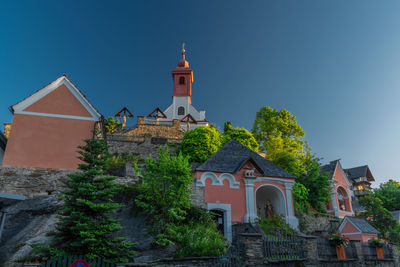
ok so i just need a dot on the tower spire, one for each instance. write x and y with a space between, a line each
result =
183 51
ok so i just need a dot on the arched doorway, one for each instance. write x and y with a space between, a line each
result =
272 196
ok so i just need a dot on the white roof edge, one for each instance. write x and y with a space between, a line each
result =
20 106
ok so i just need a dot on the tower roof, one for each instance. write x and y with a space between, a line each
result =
183 63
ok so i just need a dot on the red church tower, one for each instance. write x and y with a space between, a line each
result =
181 107
183 78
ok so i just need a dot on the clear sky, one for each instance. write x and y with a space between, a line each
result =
333 64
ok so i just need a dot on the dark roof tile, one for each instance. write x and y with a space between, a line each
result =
233 155
363 225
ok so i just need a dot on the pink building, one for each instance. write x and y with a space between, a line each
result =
49 125
341 190
238 183
357 229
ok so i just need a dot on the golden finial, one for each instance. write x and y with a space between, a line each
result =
183 51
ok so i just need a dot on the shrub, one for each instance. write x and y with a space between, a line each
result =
111 124
300 197
198 239
239 134
165 194
200 143
275 224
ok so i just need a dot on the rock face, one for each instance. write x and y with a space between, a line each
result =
28 222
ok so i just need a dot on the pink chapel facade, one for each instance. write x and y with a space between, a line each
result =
49 125
239 183
340 204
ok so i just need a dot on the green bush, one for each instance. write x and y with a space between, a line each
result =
200 143
116 160
198 239
111 124
300 197
239 134
273 225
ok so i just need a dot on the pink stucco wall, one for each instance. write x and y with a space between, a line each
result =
59 101
342 183
45 142
236 197
349 228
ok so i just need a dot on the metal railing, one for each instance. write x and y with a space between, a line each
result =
369 251
327 251
283 248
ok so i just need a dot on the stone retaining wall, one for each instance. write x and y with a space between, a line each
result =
31 182
143 146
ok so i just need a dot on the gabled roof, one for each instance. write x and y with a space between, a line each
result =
188 118
124 112
3 141
396 215
231 157
361 171
39 94
157 113
362 225
330 167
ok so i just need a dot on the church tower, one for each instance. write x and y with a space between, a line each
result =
181 107
183 79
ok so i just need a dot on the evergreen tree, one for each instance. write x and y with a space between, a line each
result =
86 226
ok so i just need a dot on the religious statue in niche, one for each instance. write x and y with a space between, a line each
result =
269 210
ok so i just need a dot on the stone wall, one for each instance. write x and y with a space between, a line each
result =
317 224
143 146
155 129
31 182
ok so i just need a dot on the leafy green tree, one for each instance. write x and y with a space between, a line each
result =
316 181
86 226
277 132
200 143
300 197
111 124
239 134
389 194
282 139
165 194
380 218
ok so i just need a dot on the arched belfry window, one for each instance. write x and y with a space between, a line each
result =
181 80
181 111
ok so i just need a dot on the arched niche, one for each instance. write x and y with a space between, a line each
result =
273 194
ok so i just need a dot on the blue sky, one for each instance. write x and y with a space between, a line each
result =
333 64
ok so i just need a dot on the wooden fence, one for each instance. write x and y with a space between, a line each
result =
66 261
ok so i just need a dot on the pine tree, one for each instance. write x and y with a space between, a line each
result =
86 226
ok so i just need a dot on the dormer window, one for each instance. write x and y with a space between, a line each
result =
181 111
181 80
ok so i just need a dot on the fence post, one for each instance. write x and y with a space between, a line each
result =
310 248
358 250
253 248
395 255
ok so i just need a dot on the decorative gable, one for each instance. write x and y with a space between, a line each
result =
61 99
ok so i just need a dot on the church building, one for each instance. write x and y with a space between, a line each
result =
181 107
